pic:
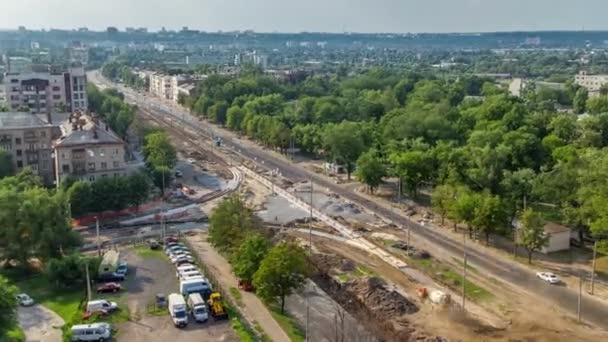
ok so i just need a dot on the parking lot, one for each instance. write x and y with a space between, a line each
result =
151 272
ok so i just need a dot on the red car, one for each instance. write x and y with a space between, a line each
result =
171 239
246 286
108 287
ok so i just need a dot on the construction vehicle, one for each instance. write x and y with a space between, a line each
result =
216 308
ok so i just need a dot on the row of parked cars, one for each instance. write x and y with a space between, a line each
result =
196 298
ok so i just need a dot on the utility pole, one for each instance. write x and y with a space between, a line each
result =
97 236
580 295
310 255
593 267
464 270
86 269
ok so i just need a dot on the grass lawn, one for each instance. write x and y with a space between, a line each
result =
359 272
236 294
451 279
65 303
145 252
15 335
240 328
289 325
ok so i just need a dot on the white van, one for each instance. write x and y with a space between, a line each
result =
198 308
91 332
202 286
178 310
101 305
185 268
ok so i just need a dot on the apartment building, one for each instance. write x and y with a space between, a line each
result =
88 150
79 54
44 91
28 139
593 83
161 86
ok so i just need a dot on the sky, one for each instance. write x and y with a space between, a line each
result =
397 16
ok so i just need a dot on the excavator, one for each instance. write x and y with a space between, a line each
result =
216 307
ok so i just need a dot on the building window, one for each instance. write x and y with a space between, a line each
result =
17 141
56 97
45 164
91 166
14 80
104 176
65 168
104 165
19 153
92 178
42 134
56 89
102 152
19 164
116 164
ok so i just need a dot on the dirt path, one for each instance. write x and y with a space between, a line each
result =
40 324
251 306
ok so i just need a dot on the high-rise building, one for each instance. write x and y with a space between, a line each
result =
43 92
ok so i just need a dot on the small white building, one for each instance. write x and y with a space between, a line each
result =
559 238
593 83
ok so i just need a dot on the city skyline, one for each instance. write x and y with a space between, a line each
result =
313 16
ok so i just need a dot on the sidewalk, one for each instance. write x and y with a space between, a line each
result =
251 306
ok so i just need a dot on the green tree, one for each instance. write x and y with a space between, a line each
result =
370 169
6 164
8 307
532 235
597 104
283 270
489 215
580 100
230 221
344 144
413 167
138 188
247 258
463 208
158 150
69 271
80 197
442 198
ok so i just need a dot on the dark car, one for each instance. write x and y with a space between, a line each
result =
107 277
154 244
184 261
108 287
171 239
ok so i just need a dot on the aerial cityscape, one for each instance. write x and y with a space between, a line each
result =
315 171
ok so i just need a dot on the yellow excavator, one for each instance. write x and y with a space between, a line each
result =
216 307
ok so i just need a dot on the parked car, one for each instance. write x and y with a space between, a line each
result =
109 287
183 261
122 268
178 174
191 160
111 277
174 249
245 286
101 305
91 332
171 239
180 254
548 277
24 300
161 300
153 244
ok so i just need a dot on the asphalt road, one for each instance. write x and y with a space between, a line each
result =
592 310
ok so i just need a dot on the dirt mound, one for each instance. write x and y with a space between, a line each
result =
381 309
379 297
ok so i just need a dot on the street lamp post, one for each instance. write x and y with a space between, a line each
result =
97 236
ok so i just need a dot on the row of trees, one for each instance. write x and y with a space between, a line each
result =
465 132
110 193
110 106
119 71
34 222
275 271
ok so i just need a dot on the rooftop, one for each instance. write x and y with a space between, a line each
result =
20 120
553 228
83 130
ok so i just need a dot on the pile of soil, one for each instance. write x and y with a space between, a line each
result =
374 304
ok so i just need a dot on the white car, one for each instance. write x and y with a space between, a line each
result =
24 300
548 277
191 160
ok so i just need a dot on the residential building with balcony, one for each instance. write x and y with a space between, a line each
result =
47 91
28 138
88 150
161 86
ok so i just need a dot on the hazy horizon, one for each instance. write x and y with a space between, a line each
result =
289 16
